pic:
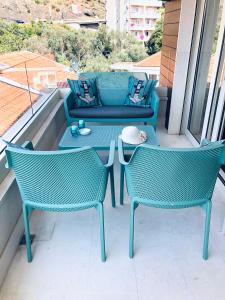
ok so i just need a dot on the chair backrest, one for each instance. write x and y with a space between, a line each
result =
174 176
58 178
112 86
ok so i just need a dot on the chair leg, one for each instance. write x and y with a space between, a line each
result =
27 232
29 210
131 242
102 231
208 206
111 173
121 184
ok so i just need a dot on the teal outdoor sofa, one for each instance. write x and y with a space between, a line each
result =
112 90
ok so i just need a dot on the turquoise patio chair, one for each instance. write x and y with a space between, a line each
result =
172 178
60 181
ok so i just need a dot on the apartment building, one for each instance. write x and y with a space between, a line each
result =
143 15
136 16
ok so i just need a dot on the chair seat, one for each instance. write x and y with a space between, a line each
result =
114 112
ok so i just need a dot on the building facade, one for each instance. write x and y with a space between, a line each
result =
136 16
142 17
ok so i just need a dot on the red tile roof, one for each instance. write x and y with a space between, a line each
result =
13 103
150 61
20 71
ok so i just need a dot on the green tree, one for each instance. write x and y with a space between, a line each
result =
37 44
94 50
13 36
102 43
154 44
96 64
136 53
10 42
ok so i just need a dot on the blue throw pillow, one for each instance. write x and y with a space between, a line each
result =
85 92
138 92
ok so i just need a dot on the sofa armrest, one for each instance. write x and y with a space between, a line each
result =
68 105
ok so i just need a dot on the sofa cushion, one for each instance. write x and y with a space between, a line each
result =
114 112
137 92
85 92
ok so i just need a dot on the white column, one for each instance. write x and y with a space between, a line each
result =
113 14
187 15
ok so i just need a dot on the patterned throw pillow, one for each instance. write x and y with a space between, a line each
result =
138 92
85 92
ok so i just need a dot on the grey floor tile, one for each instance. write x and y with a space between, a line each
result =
167 265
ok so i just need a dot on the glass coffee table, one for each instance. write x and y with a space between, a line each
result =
101 136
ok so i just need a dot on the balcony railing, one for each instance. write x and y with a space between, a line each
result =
152 15
134 26
153 3
137 15
149 27
24 88
147 14
137 27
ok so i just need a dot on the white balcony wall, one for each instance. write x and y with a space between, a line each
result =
134 26
149 27
137 14
152 15
142 14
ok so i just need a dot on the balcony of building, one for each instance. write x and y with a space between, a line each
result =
137 13
66 262
151 13
143 12
136 25
150 3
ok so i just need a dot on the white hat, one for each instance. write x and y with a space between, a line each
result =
132 135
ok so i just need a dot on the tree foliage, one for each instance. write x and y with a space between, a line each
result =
154 44
94 50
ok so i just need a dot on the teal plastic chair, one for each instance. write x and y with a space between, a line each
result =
172 178
60 181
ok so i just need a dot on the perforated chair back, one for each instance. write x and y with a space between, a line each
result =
174 177
59 180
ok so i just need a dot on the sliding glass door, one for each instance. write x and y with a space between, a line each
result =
215 122
203 87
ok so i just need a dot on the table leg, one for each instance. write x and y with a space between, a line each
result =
121 184
111 173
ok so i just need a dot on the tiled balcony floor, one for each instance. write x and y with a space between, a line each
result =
167 264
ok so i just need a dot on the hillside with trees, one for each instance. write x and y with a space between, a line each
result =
93 50
50 10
